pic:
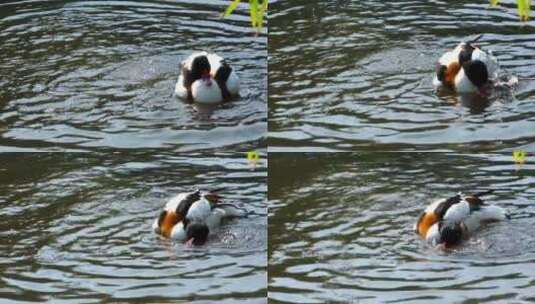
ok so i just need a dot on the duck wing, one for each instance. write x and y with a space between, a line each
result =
475 200
215 63
490 61
464 206
200 210
213 197
181 203
188 201
221 77
457 212
443 207
476 38
482 212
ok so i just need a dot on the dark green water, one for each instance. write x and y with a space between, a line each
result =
99 75
356 75
76 228
341 229
92 145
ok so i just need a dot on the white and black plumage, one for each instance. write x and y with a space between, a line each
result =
466 69
206 78
448 221
192 216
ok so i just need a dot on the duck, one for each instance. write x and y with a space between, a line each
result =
206 78
191 217
467 68
448 221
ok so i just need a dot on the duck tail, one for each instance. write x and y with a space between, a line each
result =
216 190
213 195
483 193
476 38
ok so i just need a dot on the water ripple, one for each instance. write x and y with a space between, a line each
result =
96 75
77 227
358 76
341 229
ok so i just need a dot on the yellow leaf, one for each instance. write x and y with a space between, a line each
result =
253 156
253 7
261 12
519 156
524 9
231 7
494 2
257 11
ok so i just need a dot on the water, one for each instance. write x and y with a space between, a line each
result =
356 75
76 228
340 229
93 75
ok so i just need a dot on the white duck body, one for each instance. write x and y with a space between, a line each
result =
198 211
461 83
180 90
464 85
433 235
213 217
470 220
233 82
201 211
205 212
446 59
178 232
485 214
206 91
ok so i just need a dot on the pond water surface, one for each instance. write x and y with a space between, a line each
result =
76 228
356 75
341 230
100 74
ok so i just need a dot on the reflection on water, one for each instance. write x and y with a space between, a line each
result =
340 229
348 75
77 228
87 75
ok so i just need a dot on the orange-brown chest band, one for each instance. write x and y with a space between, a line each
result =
451 71
428 220
167 222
